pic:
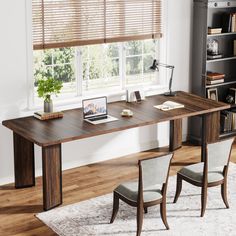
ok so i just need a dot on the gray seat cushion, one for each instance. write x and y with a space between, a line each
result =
195 172
130 191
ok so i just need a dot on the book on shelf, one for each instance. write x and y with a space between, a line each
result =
226 119
48 115
226 22
214 75
214 30
169 105
234 47
215 81
217 56
233 22
233 119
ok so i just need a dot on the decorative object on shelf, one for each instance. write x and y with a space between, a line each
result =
214 30
127 113
155 66
48 115
231 97
212 94
212 47
46 88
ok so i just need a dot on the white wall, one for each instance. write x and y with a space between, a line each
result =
13 91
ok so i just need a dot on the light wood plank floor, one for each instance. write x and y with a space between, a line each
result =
18 206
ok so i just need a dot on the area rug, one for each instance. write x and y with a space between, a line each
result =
91 217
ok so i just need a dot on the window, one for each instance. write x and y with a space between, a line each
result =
101 67
95 49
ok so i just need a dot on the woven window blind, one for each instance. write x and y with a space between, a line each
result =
65 23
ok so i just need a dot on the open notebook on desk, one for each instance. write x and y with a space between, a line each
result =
169 105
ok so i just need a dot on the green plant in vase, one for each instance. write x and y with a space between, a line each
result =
47 88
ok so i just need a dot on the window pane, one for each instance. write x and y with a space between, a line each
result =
56 63
133 48
134 65
100 66
139 58
147 62
149 47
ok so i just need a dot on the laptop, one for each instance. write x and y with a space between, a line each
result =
95 111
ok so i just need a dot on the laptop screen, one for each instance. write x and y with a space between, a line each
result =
95 107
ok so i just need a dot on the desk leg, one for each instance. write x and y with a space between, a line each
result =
175 134
210 130
52 176
23 162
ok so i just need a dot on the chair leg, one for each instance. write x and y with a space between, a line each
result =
224 193
178 188
203 200
145 210
139 220
115 207
163 212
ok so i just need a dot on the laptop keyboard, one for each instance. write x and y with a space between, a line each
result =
98 118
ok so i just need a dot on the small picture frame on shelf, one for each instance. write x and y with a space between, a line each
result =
212 94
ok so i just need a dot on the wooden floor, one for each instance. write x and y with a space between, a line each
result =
18 206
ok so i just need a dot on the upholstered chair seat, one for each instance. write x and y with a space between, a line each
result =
147 191
195 172
130 191
209 173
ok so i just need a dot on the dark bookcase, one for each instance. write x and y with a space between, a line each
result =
214 14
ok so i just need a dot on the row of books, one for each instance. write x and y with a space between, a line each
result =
228 121
229 22
214 78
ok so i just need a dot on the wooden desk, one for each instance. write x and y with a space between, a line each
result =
51 134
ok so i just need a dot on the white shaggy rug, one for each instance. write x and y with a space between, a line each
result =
92 217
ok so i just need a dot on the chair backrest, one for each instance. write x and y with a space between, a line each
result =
218 153
155 170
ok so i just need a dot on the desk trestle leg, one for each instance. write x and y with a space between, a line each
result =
175 134
52 176
210 130
23 162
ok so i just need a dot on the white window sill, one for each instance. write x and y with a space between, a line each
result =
76 102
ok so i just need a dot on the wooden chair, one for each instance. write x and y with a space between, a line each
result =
149 190
212 172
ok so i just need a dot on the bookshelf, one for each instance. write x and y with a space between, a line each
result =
212 14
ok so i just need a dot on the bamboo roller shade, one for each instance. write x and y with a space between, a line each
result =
66 23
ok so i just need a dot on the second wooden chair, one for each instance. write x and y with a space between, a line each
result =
212 172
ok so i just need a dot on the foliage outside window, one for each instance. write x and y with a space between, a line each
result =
97 67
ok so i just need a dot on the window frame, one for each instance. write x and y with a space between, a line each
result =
161 54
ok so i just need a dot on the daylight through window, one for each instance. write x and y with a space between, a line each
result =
102 67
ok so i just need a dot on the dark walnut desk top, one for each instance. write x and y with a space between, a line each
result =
72 127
